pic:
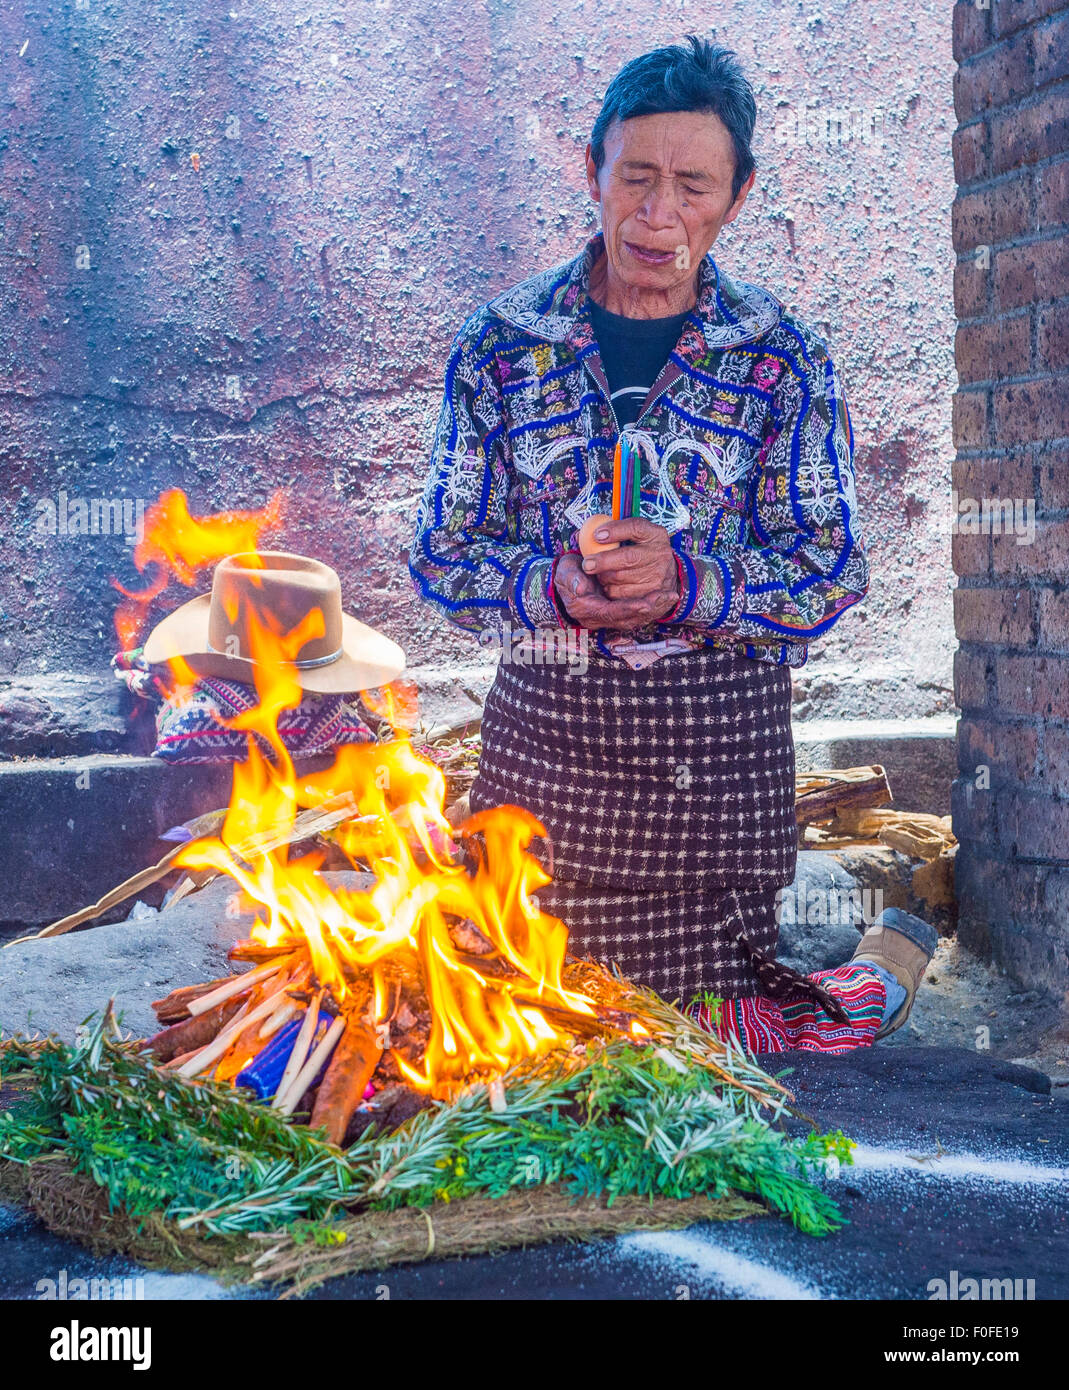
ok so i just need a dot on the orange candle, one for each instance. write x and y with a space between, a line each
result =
616 482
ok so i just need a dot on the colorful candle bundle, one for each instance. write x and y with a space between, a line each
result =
626 480
626 497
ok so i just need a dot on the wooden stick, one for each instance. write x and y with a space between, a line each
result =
237 984
300 1049
193 1034
342 1088
179 1060
282 1015
258 951
240 1052
207 1055
177 1002
854 787
307 1073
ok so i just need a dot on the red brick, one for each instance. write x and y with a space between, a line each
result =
972 677
972 286
1051 184
971 29
997 76
970 556
973 811
1031 411
1007 16
994 215
1014 914
998 348
1003 616
1025 134
1032 685
1052 345
970 417
1009 751
994 475
1053 475
970 153
1055 769
1032 273
1051 47
1033 826
1047 557
1054 621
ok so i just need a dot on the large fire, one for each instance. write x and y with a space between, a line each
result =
495 987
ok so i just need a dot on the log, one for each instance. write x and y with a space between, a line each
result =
914 833
258 952
342 1088
851 789
194 1033
175 1006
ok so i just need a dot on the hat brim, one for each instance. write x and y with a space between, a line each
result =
368 658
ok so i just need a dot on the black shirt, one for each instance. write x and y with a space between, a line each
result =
633 353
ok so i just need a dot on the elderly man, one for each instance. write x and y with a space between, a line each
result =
663 769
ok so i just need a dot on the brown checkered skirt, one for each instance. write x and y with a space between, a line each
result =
668 799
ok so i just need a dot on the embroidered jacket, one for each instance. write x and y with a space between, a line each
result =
747 461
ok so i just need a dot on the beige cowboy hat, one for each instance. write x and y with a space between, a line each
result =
211 632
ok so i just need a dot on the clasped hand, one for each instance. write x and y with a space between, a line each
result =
624 588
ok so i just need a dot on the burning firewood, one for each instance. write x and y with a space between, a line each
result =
193 1034
260 952
342 1089
300 1049
174 1007
317 1058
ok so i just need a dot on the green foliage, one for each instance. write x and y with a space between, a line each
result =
627 1121
615 1118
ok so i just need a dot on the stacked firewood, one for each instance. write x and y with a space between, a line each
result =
220 1028
340 1064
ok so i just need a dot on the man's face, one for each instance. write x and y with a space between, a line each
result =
665 185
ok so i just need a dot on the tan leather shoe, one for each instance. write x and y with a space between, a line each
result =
903 945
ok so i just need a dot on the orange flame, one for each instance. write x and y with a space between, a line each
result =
483 1016
181 546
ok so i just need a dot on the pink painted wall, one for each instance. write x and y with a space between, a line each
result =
369 174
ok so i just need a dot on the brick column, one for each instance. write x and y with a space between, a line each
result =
1010 475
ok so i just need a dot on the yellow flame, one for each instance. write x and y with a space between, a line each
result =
481 1020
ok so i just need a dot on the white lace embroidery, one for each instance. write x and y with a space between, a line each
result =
532 454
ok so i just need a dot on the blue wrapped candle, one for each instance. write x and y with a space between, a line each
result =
264 1072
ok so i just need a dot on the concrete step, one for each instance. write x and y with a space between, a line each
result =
919 754
81 807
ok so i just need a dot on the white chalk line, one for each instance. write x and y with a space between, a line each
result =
1015 1170
734 1272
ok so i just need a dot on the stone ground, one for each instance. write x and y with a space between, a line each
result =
963 1161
